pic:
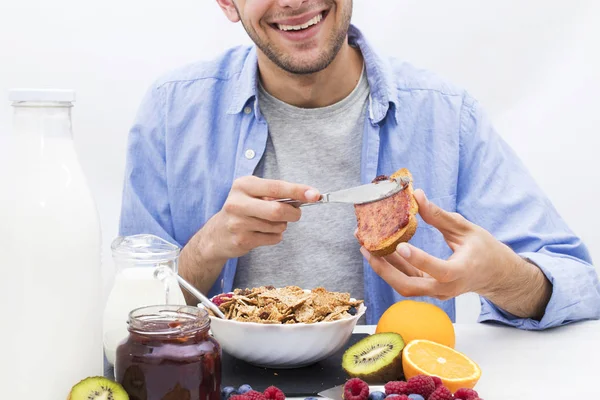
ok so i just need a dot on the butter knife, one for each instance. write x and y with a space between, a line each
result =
359 194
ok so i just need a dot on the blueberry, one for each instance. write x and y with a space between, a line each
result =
227 392
392 395
415 397
244 388
352 311
376 395
312 398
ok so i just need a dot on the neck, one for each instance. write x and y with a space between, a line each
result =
43 119
319 89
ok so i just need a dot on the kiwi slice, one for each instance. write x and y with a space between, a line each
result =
97 388
376 359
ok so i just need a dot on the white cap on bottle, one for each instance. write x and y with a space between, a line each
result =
61 95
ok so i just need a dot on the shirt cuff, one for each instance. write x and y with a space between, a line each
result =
564 306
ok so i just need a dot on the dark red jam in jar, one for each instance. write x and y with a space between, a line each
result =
169 355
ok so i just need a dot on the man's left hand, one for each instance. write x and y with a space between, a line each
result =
479 263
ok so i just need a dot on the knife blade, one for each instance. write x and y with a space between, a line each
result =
362 194
336 392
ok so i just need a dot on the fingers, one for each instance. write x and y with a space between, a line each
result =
275 189
260 225
402 265
444 221
398 262
441 270
407 286
244 206
237 225
266 239
251 240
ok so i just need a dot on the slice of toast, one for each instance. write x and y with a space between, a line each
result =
385 223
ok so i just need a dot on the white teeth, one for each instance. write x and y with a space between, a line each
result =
313 21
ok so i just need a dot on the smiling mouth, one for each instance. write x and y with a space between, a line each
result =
313 21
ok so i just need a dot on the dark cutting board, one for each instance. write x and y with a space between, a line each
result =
297 382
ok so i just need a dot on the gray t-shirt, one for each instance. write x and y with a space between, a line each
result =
320 147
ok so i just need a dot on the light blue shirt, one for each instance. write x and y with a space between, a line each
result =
199 128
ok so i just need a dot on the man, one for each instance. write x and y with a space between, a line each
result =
312 107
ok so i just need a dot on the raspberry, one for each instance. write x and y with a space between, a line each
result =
398 396
356 389
274 393
421 384
396 387
466 394
254 395
441 393
220 299
239 397
438 382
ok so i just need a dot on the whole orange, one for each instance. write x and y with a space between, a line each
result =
418 320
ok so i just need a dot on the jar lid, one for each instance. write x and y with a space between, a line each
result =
50 95
168 320
144 247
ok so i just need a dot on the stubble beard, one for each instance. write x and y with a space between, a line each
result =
287 63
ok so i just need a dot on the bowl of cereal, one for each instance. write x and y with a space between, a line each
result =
284 327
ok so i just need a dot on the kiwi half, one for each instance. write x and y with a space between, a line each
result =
376 359
97 388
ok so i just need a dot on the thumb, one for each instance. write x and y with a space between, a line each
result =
444 221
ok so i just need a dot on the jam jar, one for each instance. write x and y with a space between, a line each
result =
169 355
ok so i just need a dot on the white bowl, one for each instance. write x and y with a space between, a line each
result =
283 345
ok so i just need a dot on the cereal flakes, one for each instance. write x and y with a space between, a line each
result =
287 305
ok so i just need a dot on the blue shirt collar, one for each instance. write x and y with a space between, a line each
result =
379 75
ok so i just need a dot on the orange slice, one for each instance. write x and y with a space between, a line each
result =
430 358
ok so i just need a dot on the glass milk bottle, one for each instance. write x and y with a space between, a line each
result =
136 259
50 246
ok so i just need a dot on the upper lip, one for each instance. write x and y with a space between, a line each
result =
299 20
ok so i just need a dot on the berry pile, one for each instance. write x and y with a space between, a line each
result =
420 387
245 392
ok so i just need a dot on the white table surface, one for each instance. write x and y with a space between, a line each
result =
559 363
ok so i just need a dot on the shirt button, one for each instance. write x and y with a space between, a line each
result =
250 154
247 110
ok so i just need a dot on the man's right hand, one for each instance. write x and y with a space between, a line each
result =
250 219
247 220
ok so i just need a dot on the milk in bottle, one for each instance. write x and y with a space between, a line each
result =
50 244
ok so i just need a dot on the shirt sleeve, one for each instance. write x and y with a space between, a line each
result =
496 192
145 199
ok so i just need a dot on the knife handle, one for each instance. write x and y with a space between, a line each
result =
297 203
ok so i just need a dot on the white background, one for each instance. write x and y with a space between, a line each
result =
534 64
